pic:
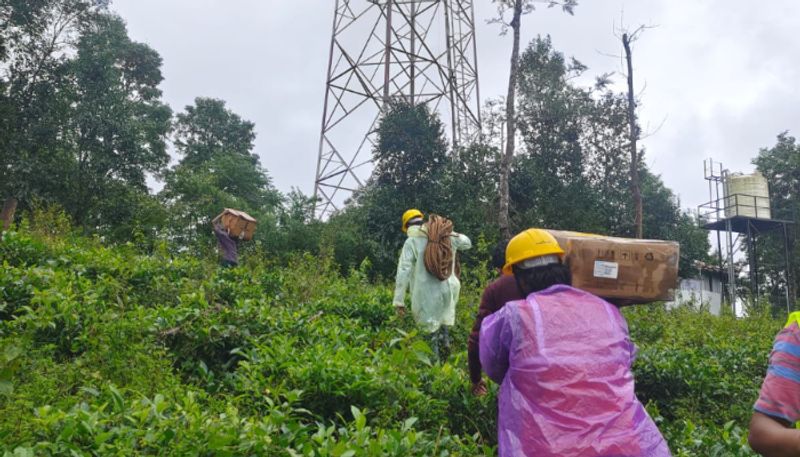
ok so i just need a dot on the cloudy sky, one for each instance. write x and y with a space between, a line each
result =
717 78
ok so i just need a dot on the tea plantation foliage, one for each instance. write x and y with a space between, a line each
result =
105 351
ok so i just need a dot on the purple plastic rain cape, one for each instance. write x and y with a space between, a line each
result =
563 358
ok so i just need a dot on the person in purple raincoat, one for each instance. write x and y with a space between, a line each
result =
563 359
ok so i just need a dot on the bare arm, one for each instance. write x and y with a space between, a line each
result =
771 437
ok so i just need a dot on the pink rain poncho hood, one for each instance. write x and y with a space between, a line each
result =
563 358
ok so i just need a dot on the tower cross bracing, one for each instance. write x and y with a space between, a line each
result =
422 51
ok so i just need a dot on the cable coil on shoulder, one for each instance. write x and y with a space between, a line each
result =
439 250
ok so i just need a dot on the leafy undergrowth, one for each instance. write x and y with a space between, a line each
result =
104 351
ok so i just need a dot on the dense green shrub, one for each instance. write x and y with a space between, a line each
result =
689 362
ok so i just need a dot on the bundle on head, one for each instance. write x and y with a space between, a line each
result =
439 251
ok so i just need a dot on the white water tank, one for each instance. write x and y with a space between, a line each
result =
747 195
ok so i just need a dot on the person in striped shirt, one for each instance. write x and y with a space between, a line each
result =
773 431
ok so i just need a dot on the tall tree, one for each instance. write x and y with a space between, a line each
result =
469 185
517 8
410 157
664 220
217 169
553 119
35 40
574 169
607 165
208 129
119 125
780 164
85 123
411 163
410 150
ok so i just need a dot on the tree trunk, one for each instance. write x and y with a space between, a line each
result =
7 216
634 135
511 125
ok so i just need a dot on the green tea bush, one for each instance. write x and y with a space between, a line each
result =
112 423
107 351
20 250
699 362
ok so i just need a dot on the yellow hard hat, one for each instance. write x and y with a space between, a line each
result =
530 244
408 215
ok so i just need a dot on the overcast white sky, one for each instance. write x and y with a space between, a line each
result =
720 77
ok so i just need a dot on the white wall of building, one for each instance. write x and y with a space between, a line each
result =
705 292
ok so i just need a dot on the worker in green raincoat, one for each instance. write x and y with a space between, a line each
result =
433 302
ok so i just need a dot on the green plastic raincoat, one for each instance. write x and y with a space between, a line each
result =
433 302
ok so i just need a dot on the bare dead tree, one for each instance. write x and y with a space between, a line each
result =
518 8
633 135
511 127
634 132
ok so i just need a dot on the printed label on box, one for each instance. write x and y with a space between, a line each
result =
606 269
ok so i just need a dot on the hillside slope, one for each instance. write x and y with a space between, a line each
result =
106 351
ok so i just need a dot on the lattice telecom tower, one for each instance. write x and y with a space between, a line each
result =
423 51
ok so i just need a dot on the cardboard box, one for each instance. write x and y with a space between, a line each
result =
238 223
622 269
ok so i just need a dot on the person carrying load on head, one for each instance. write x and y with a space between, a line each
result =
228 246
499 292
563 359
428 267
776 416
